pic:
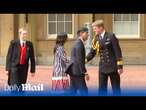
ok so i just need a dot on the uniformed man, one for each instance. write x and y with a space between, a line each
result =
106 45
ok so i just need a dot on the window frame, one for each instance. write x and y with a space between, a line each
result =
53 36
136 36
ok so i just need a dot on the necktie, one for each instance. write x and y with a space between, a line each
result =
23 44
100 37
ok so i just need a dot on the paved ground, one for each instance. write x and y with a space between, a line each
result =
133 77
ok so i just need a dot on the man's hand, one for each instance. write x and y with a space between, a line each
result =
87 77
32 74
120 71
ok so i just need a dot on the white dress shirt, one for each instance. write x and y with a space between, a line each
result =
102 34
22 41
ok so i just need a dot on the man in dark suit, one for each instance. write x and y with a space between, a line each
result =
106 45
78 69
17 62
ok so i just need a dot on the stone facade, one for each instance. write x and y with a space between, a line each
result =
134 50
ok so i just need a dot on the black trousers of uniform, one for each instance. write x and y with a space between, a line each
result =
78 84
115 83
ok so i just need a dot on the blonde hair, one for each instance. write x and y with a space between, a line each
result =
98 23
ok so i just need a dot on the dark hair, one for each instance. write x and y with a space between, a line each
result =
83 29
60 40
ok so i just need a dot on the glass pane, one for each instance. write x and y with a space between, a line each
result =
134 27
60 17
126 17
68 27
128 25
68 17
60 27
52 17
134 17
126 28
117 17
52 28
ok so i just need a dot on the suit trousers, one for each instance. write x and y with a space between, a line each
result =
18 76
78 83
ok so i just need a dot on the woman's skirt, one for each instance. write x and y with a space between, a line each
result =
60 83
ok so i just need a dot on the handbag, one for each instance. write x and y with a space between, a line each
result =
68 69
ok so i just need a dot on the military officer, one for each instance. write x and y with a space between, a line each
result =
106 45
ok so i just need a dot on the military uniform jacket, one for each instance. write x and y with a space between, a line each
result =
109 51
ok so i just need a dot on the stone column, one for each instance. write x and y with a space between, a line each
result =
32 30
6 35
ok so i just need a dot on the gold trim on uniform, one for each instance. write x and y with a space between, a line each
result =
120 62
97 51
86 60
95 46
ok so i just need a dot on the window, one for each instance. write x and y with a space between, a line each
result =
60 23
126 25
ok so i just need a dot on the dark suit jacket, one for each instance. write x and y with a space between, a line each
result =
110 53
13 58
77 64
